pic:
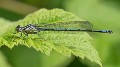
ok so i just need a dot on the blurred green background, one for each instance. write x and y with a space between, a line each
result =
103 14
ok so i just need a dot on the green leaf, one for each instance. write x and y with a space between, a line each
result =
76 43
3 62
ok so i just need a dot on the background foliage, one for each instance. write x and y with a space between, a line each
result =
103 14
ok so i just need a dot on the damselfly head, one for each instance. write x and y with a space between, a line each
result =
18 28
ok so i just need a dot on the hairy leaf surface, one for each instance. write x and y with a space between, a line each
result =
67 43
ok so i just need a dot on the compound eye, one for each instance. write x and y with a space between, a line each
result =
30 25
20 29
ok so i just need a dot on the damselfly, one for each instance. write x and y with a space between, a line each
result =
82 26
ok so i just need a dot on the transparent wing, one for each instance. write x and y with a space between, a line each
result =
71 24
